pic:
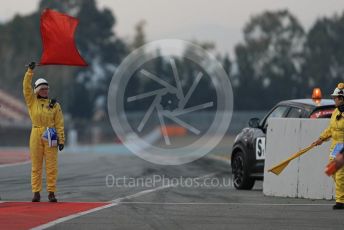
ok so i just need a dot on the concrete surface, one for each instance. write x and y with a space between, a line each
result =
303 177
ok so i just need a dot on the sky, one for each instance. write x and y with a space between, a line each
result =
220 21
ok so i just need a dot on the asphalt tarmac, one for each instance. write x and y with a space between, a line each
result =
142 195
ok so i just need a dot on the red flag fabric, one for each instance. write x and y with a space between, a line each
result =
57 32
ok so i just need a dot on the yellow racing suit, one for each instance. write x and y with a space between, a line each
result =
335 130
42 116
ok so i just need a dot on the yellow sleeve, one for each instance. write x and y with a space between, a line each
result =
59 124
27 88
326 134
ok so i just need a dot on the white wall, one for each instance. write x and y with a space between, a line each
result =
303 177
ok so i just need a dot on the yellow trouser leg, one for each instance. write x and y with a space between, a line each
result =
50 155
339 180
36 154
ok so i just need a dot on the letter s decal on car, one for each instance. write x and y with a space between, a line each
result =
260 148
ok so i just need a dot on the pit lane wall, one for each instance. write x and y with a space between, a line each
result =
303 177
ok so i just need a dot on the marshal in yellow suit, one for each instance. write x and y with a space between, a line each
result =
335 131
43 115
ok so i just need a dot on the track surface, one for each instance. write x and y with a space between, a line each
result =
82 181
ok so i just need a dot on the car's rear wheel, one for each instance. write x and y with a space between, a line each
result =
241 178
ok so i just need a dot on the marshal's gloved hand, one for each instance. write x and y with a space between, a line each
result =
61 146
32 65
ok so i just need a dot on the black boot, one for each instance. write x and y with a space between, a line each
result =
52 197
338 206
36 197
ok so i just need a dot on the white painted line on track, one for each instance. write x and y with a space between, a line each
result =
15 164
63 219
22 163
118 200
241 204
112 204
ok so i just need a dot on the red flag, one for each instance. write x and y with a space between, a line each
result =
57 31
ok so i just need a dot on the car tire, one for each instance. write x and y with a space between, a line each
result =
240 173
